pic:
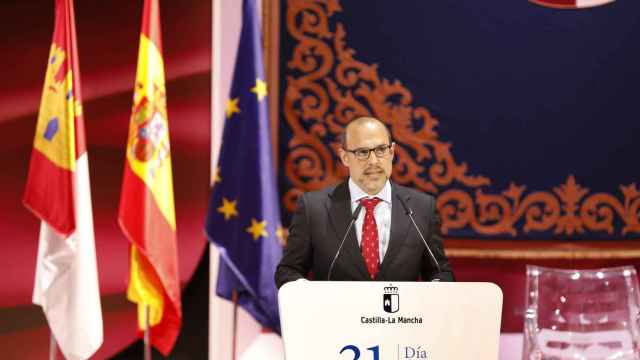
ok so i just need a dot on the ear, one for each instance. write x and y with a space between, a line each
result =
393 150
343 157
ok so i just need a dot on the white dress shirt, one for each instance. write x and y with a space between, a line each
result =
382 214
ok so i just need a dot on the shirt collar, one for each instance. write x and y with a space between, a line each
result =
357 193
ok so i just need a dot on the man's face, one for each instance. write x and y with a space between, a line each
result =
370 174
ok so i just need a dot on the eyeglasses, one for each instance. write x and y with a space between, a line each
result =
364 153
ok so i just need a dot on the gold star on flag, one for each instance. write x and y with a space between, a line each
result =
282 233
232 107
260 89
257 229
228 208
216 176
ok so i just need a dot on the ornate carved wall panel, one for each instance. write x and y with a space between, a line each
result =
326 85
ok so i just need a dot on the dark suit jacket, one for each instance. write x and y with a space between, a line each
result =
321 220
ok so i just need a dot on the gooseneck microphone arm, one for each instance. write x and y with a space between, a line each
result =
409 212
353 220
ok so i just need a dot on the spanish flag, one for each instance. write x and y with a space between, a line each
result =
58 192
147 215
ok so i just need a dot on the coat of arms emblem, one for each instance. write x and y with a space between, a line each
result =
391 299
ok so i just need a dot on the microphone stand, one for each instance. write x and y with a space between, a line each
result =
353 220
409 212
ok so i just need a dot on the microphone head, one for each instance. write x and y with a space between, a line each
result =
404 205
357 211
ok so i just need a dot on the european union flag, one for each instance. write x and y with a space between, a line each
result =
244 216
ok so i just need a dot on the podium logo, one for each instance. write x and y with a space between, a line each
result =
391 299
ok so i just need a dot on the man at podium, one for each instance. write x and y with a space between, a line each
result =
365 228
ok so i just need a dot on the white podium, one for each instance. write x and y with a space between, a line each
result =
328 320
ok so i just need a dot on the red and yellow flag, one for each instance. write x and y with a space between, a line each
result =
147 215
58 191
59 136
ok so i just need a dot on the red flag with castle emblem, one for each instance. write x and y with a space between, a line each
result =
58 192
147 215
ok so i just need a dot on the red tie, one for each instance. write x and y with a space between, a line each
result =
369 244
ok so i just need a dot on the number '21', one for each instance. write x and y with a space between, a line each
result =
356 351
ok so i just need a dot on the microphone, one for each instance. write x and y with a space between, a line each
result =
353 220
409 212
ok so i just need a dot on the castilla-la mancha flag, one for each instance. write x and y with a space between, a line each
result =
58 192
147 215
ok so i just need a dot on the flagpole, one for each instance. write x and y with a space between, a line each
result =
234 299
147 334
53 346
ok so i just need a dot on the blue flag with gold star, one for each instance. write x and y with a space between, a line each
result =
243 219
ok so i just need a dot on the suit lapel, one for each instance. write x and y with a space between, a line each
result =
340 214
399 226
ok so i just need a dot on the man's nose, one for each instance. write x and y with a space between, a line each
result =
373 158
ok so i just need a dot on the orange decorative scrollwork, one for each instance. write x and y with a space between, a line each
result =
327 87
568 212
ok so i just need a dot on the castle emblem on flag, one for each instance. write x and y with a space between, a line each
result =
391 299
59 109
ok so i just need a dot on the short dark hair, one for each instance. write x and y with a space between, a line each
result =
362 119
